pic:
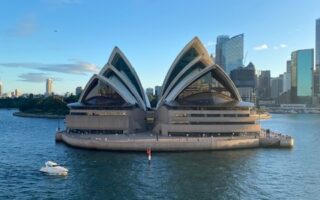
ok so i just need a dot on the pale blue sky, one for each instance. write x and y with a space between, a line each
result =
69 40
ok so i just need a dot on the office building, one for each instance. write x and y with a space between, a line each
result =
245 80
302 67
49 87
264 90
78 91
149 92
157 91
229 52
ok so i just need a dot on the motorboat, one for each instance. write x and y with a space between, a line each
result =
53 168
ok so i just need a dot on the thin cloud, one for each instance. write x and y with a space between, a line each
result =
209 44
25 27
36 77
77 68
280 46
261 47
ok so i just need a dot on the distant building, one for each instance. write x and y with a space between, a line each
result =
78 91
264 90
318 43
316 73
302 65
16 93
276 86
245 80
149 91
49 87
229 52
219 58
1 89
288 66
286 85
157 91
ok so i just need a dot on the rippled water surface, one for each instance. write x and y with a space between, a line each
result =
26 143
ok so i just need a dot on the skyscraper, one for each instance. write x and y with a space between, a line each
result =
229 52
1 89
245 80
264 89
219 58
302 67
157 90
78 91
318 43
49 87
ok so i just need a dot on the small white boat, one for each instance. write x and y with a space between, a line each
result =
53 168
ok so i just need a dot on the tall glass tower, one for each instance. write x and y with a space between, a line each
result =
302 64
229 52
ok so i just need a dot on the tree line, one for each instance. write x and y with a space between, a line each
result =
55 105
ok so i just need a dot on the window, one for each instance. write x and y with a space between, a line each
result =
204 91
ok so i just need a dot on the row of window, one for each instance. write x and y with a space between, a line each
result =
212 115
78 131
207 134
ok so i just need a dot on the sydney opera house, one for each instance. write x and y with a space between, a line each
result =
198 100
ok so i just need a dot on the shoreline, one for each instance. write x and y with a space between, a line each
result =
31 115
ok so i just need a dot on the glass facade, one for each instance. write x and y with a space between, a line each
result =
121 65
302 64
204 91
185 60
101 94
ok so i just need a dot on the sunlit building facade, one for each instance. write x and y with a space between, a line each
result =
229 52
302 67
197 99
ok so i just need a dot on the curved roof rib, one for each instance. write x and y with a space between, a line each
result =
219 74
114 83
193 49
122 64
112 71
195 65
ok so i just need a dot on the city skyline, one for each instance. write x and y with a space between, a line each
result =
56 39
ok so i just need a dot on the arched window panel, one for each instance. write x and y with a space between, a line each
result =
206 90
100 94
195 68
119 63
187 57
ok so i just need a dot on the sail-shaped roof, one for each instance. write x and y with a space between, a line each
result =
193 50
121 64
192 64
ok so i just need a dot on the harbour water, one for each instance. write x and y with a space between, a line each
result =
26 143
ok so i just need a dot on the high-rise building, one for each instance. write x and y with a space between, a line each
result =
302 67
276 86
289 66
78 91
318 43
16 93
229 52
1 89
286 85
49 87
149 91
245 80
219 58
264 90
157 91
